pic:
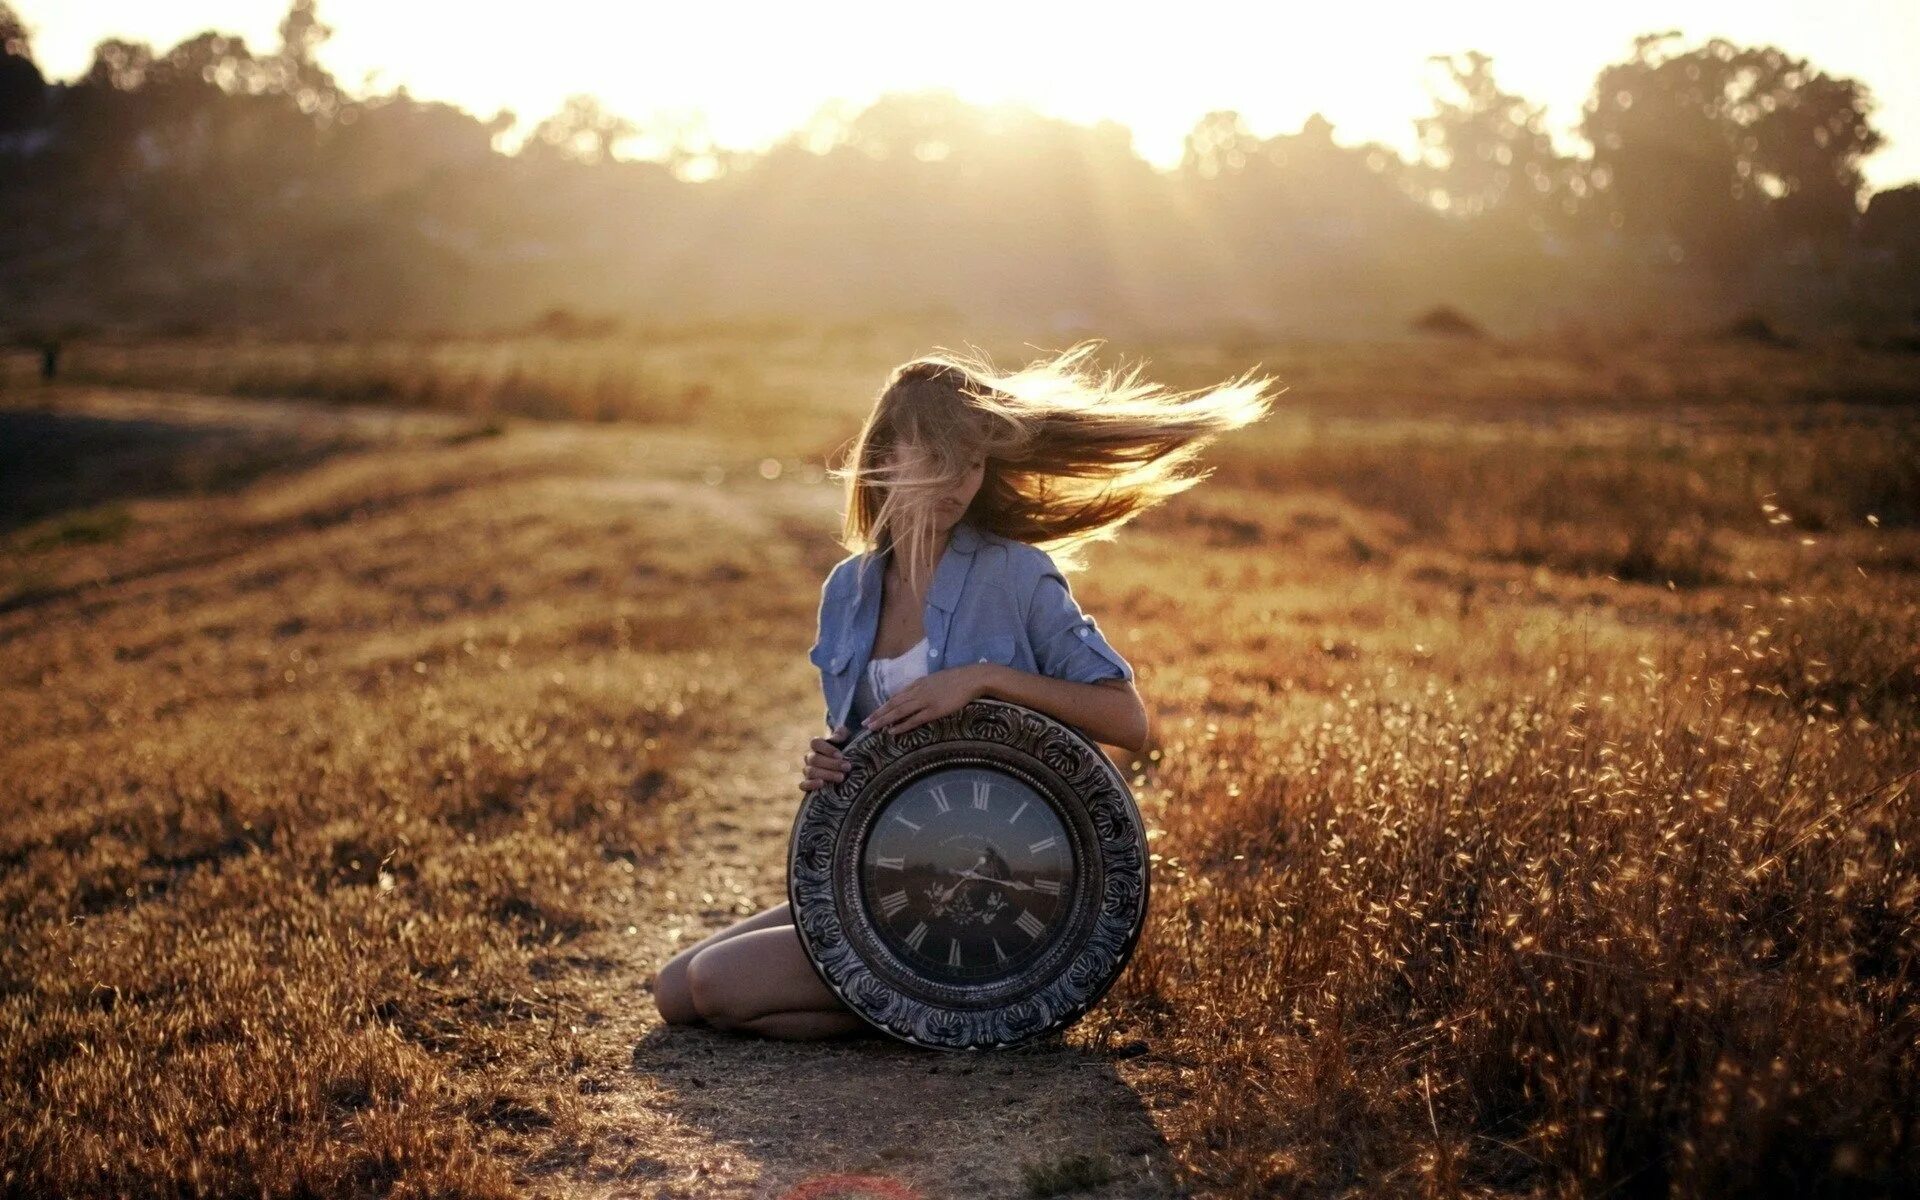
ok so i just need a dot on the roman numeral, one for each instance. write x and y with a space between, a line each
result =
892 903
907 823
1018 811
1030 923
1045 843
953 952
900 864
940 799
981 789
999 955
1047 887
918 935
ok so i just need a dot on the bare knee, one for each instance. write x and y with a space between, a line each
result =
710 996
672 996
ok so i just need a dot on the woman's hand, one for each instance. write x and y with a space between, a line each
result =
932 696
824 762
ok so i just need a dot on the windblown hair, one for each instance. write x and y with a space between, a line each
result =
1071 454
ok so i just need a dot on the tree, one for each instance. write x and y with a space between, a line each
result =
119 65
22 88
1714 147
1487 151
1220 143
296 71
1808 147
1890 236
582 131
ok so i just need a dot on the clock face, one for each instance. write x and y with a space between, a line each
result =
967 874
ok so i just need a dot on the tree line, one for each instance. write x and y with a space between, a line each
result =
213 185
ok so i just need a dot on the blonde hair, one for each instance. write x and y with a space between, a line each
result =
1072 455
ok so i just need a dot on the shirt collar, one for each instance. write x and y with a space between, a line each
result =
964 538
949 575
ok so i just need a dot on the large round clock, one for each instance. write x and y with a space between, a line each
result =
974 882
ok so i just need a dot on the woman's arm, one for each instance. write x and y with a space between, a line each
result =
1108 711
1080 678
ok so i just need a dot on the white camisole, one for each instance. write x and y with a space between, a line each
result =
883 679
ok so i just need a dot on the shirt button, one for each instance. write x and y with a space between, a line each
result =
1083 631
933 654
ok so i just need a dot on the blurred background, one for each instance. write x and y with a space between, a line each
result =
361 167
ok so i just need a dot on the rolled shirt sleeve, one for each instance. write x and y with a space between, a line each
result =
1066 642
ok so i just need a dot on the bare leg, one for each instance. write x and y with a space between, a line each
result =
670 992
762 982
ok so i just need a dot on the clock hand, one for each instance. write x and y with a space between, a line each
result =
969 871
972 874
962 878
955 885
1012 883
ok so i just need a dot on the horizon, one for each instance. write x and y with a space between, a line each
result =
759 94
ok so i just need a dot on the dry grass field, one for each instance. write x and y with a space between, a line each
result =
1534 791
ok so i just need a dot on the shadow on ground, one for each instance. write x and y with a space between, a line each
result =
996 1123
52 462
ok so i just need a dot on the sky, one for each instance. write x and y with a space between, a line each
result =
754 72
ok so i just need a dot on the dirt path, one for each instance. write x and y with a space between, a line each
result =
724 1115
675 1113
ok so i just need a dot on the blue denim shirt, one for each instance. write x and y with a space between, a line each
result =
992 599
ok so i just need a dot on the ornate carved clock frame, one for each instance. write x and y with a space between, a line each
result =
1099 899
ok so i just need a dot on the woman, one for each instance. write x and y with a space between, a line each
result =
958 476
